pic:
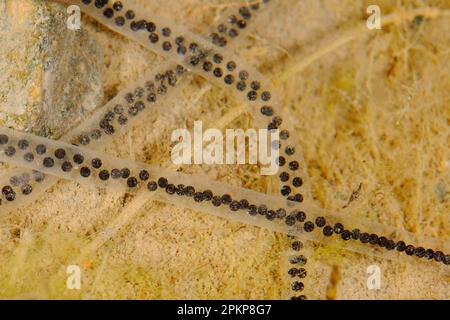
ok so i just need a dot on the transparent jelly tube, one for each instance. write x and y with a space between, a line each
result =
215 64
203 58
196 192
135 101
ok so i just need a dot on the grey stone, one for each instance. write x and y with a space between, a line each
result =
50 76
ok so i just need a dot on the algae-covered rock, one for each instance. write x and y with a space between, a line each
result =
49 75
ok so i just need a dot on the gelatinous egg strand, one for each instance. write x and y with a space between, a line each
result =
190 51
87 166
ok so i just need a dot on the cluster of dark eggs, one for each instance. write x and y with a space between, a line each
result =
133 103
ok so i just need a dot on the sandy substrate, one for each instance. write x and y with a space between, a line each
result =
371 108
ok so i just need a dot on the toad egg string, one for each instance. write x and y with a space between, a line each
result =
196 192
